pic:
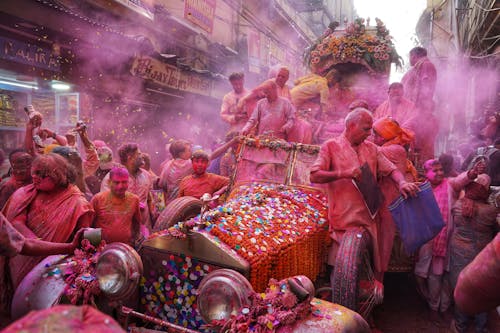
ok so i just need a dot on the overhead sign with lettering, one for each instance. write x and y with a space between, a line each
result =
170 76
201 13
29 54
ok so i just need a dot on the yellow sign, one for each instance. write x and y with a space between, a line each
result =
170 76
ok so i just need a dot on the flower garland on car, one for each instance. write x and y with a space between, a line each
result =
355 45
276 144
78 272
271 226
81 280
276 307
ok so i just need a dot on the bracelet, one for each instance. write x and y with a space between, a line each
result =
54 135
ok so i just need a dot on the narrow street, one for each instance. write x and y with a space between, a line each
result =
404 311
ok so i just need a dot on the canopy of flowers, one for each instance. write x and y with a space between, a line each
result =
373 49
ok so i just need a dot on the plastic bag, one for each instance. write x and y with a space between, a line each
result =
418 219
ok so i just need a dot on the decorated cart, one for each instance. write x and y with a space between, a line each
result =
359 57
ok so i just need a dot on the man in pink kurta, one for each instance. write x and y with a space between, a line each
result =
139 180
419 84
273 115
117 210
175 169
338 164
398 108
229 112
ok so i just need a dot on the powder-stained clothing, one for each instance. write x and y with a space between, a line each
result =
172 174
11 244
9 186
228 163
302 131
119 218
11 240
140 184
419 84
433 256
308 87
284 92
404 113
197 186
477 286
229 110
387 228
91 161
272 118
470 235
346 206
65 318
54 219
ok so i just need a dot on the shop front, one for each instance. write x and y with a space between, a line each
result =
31 74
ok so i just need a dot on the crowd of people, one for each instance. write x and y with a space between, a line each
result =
54 187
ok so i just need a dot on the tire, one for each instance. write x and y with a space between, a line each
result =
352 264
179 209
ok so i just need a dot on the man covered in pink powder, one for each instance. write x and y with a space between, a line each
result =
398 108
229 112
340 161
117 210
273 115
139 180
419 85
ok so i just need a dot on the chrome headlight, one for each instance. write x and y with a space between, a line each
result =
222 294
119 270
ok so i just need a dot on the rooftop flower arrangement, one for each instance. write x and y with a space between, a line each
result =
371 48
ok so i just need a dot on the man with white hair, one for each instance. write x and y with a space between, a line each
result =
273 115
342 160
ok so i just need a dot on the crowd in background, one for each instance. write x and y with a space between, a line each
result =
57 184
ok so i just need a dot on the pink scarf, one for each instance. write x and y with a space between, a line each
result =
441 240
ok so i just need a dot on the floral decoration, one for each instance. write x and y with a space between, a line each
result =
81 282
271 226
276 144
276 307
358 45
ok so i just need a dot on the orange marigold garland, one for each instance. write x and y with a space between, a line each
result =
279 230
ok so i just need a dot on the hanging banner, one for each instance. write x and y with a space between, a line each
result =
253 45
170 76
201 13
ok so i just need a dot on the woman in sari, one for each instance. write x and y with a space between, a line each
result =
51 209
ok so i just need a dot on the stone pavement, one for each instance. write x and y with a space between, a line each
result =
404 311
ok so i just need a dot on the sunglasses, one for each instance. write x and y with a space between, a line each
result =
40 174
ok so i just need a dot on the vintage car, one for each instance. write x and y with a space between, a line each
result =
228 268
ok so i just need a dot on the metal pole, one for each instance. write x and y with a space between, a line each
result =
129 312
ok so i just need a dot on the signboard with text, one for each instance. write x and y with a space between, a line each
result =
170 76
28 54
201 13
